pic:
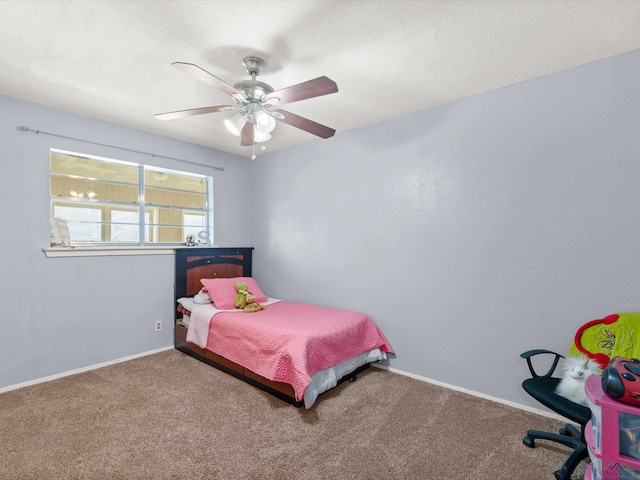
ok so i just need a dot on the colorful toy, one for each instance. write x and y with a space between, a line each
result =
615 335
620 380
576 370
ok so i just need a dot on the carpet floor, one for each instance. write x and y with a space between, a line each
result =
169 416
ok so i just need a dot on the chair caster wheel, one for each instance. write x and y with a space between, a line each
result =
559 475
528 441
565 432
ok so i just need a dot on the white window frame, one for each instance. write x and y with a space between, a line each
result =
129 248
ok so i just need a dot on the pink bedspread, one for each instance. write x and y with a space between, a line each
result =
289 342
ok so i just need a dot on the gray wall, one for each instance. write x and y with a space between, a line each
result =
62 314
470 232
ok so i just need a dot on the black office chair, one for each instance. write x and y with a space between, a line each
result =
542 388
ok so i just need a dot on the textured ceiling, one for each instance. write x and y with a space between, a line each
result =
111 59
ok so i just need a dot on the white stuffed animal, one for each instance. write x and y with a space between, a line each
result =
202 297
574 373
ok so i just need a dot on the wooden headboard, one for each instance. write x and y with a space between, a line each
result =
195 263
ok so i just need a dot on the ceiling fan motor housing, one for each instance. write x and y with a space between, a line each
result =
253 89
254 92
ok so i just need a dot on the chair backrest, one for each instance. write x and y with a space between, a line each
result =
616 335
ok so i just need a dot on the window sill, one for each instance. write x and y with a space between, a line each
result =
55 252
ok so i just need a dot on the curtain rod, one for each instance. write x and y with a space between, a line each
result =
27 129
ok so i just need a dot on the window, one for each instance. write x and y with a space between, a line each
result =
110 202
124 225
193 224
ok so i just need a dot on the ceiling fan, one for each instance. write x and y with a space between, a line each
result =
258 104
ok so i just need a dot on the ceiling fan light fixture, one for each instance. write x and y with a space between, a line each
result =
259 137
265 123
235 124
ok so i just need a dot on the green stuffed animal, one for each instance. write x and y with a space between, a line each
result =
241 297
253 307
245 300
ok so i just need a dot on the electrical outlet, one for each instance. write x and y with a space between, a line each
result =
158 326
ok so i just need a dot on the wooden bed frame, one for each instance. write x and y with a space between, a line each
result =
192 264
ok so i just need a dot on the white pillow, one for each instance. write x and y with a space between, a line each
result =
187 303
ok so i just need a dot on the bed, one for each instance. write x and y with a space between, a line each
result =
291 350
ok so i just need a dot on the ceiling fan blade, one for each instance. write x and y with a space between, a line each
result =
193 111
309 89
247 135
206 77
306 124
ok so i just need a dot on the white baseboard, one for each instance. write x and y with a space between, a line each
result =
544 413
84 369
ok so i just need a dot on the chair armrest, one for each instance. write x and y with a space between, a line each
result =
532 353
